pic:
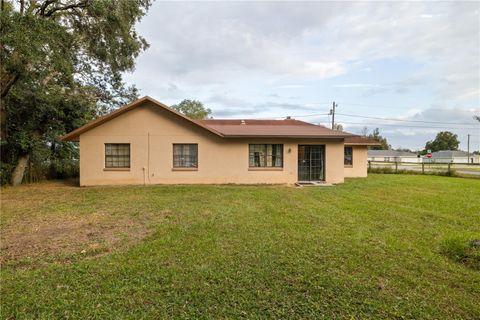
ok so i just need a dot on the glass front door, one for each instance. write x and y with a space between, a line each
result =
311 163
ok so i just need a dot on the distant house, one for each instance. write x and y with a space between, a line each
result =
393 156
147 142
446 156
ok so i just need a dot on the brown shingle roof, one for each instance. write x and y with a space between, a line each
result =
252 122
230 128
288 128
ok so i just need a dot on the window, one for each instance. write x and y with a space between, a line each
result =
185 155
348 156
266 155
117 155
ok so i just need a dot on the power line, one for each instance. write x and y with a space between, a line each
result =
403 120
378 118
379 124
406 126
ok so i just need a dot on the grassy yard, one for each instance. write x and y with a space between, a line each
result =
390 246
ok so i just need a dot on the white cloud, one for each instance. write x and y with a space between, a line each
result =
356 85
323 69
240 55
290 86
216 42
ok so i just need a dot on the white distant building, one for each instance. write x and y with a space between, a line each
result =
446 156
393 156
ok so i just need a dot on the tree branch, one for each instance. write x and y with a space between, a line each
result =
44 6
6 83
49 77
81 4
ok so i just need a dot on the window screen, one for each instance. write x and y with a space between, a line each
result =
348 157
185 155
117 155
266 155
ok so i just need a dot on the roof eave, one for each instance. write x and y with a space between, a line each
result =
361 144
285 137
67 138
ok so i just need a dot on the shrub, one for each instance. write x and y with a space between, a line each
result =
387 170
5 172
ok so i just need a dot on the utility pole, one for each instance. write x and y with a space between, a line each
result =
332 112
468 148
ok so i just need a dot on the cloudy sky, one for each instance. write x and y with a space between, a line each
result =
415 64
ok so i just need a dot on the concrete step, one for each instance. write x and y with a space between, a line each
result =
313 184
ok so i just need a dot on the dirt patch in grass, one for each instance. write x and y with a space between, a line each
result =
35 230
64 240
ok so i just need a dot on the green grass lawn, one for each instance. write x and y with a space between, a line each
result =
382 247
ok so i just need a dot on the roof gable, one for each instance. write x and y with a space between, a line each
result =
75 134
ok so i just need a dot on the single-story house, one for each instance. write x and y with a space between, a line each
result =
146 142
393 156
453 156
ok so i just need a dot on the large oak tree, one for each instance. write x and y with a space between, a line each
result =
61 64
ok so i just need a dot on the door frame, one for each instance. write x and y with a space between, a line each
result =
324 151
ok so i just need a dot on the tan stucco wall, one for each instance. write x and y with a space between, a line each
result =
360 163
151 132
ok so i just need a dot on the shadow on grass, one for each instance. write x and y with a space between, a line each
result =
72 182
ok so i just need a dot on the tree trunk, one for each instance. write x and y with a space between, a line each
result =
3 120
19 171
